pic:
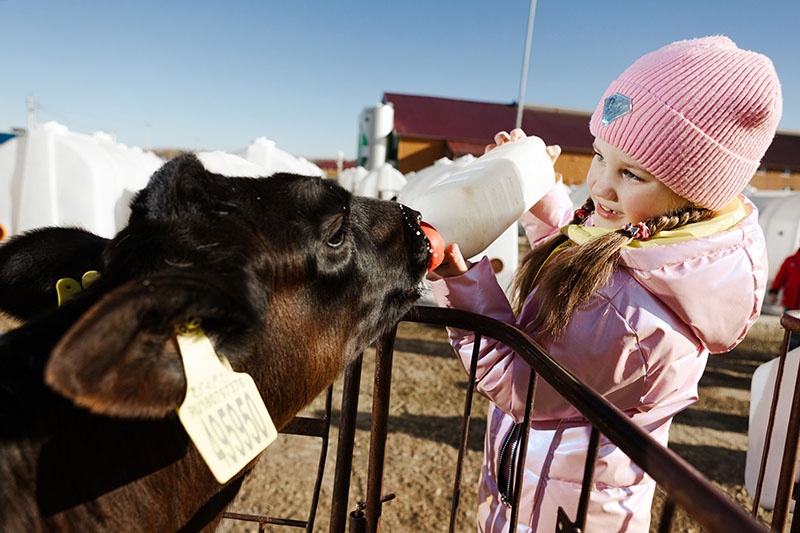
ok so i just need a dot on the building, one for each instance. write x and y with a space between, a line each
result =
429 128
333 167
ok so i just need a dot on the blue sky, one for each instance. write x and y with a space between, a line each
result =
216 75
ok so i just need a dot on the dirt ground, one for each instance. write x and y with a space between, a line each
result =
425 421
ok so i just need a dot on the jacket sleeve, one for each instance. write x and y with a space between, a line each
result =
502 377
548 215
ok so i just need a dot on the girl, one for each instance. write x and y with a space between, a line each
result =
664 264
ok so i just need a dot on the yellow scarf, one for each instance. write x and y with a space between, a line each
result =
723 220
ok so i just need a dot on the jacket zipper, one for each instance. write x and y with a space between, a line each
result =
508 455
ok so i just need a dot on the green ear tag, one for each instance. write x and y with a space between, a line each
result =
223 412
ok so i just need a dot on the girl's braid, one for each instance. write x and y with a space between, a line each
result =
680 217
582 213
582 270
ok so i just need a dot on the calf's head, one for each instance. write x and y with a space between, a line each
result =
292 277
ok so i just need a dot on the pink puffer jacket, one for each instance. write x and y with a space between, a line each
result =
642 342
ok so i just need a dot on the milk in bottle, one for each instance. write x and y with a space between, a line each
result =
475 204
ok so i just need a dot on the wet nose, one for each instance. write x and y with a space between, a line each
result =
410 214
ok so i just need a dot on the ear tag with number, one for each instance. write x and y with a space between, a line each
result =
223 412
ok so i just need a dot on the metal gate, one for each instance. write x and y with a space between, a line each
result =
684 487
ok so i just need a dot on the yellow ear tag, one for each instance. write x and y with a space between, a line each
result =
89 277
67 289
223 412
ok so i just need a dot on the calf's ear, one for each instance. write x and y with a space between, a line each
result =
32 263
180 187
121 357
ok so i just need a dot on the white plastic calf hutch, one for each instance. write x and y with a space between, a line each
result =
52 176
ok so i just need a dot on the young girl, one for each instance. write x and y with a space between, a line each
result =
664 264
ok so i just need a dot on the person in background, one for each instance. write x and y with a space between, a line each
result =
787 282
664 264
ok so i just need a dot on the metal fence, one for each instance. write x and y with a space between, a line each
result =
684 487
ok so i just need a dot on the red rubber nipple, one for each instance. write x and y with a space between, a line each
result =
436 245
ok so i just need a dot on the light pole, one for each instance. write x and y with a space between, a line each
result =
525 60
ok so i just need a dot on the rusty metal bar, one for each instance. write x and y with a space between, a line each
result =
384 354
523 452
762 469
462 448
783 495
588 476
667 514
344 450
263 520
324 429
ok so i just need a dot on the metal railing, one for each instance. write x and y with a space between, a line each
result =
317 427
683 485
785 484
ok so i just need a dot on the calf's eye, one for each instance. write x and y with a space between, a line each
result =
337 239
335 230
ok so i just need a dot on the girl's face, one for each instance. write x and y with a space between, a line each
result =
623 191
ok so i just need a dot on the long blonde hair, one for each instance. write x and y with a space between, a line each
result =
582 270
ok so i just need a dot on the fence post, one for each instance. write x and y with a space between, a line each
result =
344 449
384 355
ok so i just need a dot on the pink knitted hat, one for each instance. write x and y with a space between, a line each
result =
697 114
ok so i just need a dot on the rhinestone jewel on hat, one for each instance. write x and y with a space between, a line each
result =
615 106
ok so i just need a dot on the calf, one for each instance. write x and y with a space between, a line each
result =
291 277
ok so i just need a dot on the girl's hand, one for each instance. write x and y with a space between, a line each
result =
554 151
516 134
502 137
454 264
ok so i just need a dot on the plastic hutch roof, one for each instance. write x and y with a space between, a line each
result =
52 176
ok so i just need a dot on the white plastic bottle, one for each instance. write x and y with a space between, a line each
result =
479 201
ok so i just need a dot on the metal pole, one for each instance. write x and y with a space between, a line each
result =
525 60
344 450
384 355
